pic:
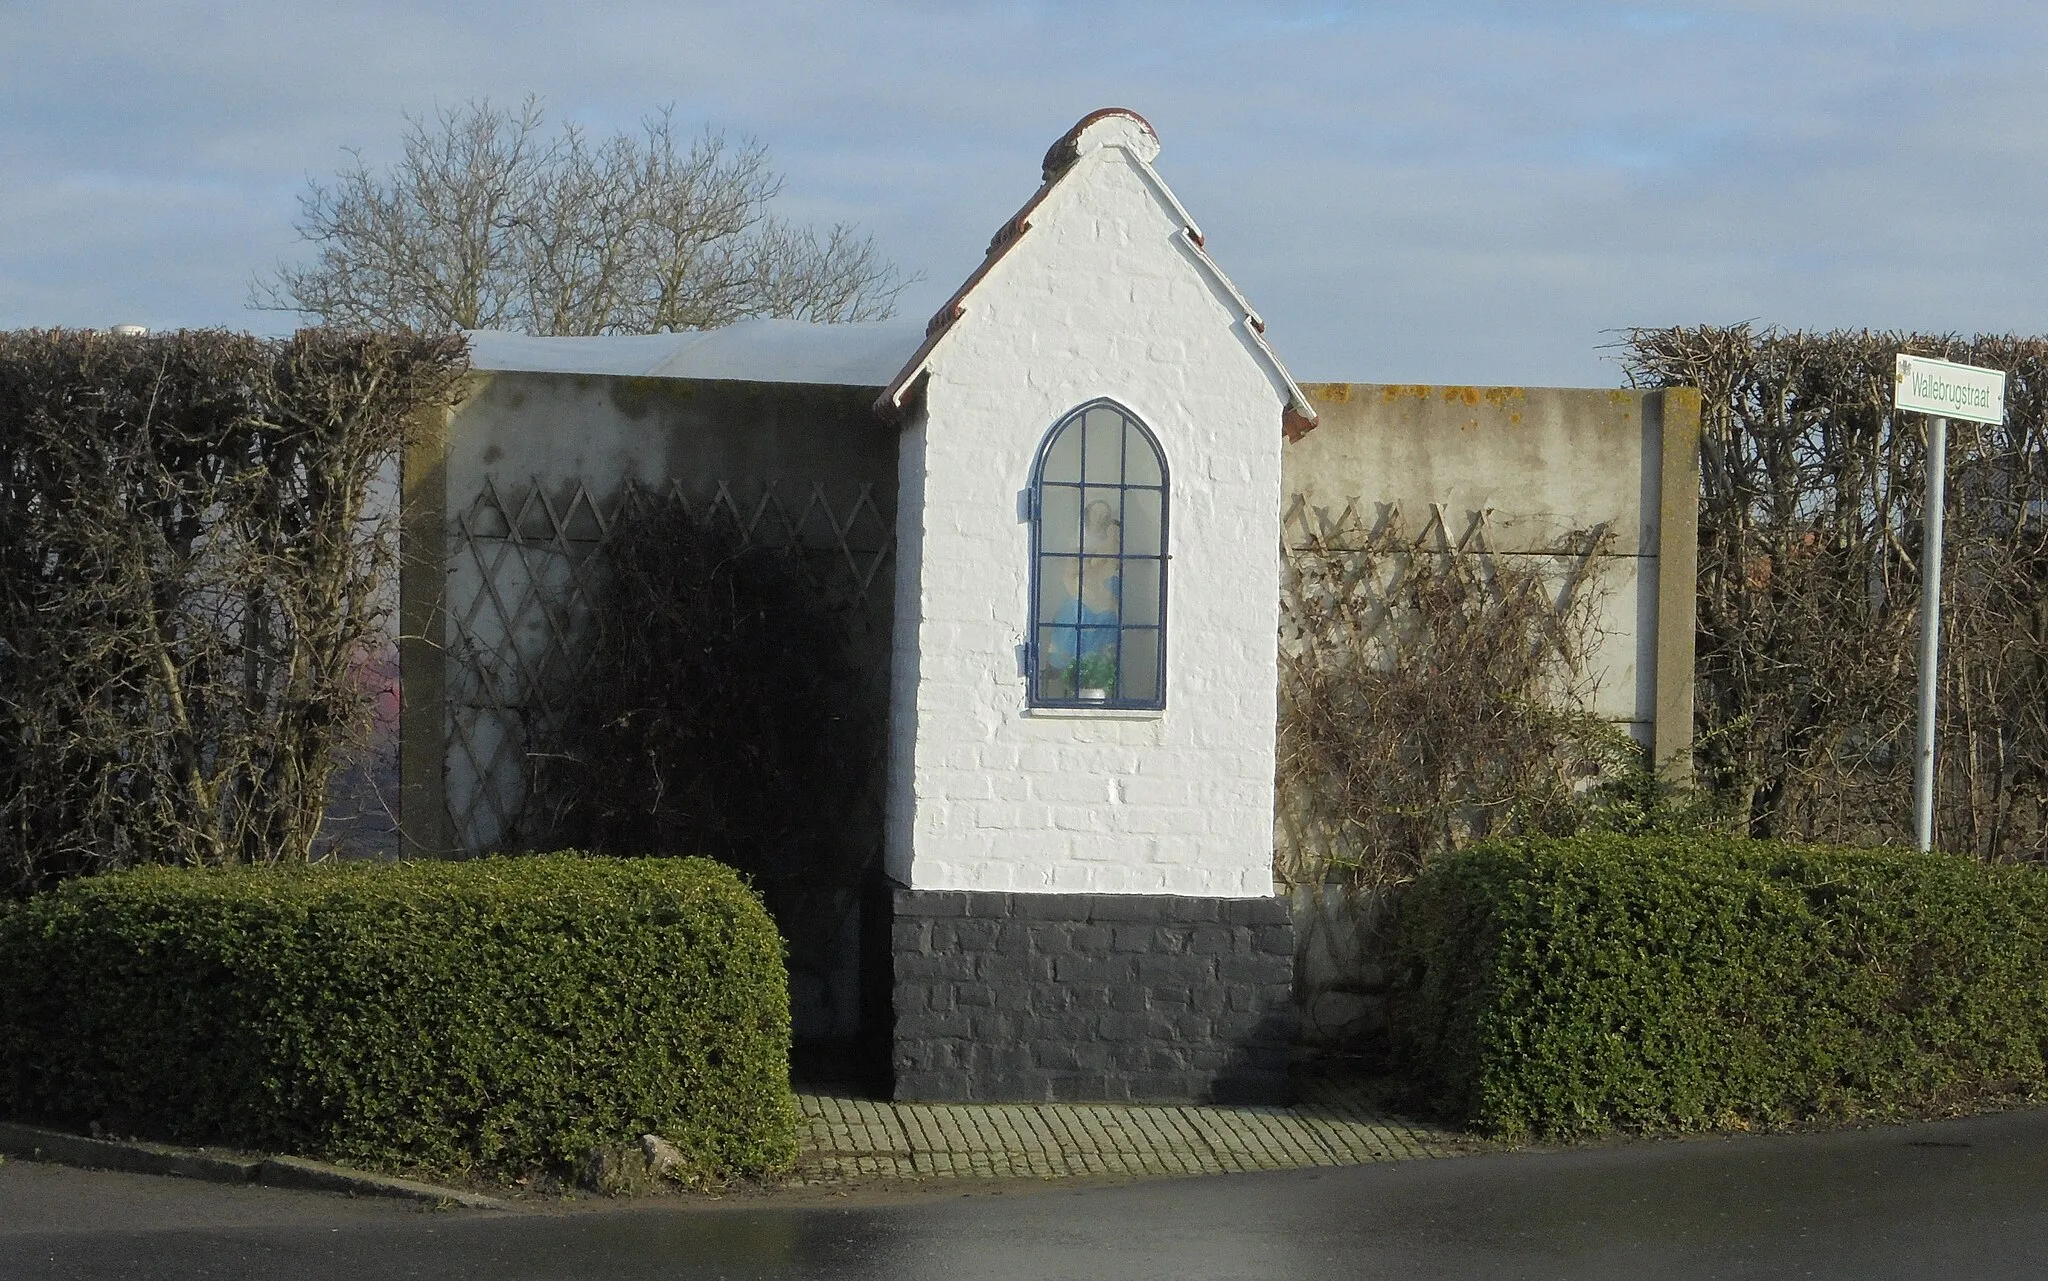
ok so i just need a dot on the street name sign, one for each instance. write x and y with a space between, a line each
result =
1940 389
1948 390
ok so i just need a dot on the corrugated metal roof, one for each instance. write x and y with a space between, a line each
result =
758 351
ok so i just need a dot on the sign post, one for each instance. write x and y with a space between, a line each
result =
1943 390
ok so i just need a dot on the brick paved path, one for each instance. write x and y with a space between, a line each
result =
854 1138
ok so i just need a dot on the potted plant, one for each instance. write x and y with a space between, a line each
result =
1097 677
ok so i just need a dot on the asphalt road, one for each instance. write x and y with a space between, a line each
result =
1958 1199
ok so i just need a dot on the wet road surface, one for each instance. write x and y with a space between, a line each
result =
1965 1198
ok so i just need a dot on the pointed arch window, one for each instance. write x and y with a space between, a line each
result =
1098 559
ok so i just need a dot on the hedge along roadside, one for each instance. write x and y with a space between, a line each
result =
1564 987
193 583
494 1016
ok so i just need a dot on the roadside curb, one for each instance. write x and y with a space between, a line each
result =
277 1172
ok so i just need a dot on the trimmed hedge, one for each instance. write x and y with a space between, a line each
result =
493 1015
1571 986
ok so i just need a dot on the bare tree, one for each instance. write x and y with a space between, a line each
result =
1811 489
487 222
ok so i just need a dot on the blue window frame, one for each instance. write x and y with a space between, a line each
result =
1098 563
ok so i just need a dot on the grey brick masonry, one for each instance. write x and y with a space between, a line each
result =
1072 997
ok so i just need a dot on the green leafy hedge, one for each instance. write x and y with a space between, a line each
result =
1564 987
500 1014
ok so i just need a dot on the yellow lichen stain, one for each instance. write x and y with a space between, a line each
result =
1331 393
1497 397
1513 419
1621 396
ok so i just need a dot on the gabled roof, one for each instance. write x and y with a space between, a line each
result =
762 350
1109 127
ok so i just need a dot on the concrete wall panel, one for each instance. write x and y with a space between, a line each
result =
804 463
1518 472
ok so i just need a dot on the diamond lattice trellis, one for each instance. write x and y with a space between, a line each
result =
519 598
1331 559
1343 580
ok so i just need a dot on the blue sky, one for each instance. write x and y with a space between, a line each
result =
1440 192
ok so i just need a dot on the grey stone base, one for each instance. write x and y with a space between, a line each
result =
1013 997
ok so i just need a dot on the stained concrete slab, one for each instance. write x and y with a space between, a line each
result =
849 1138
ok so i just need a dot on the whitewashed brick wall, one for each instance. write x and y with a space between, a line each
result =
1100 298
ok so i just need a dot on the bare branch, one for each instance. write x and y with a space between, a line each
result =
487 223
1809 586
189 581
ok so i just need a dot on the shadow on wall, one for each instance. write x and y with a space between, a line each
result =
1255 1064
1340 979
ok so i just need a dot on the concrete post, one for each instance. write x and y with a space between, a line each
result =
1677 414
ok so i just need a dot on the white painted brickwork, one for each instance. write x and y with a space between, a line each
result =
1102 296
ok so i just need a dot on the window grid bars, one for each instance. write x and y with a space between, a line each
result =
1128 425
